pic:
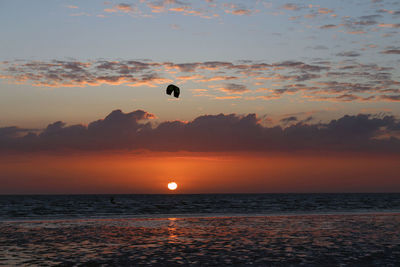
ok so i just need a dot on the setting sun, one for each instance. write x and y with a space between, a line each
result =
172 186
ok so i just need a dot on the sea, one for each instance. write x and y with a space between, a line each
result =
200 230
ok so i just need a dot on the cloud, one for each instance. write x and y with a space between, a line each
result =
227 97
150 80
325 10
310 16
318 79
202 9
13 131
265 97
233 88
301 66
236 9
164 3
185 8
218 78
391 98
239 11
221 132
384 25
319 47
288 120
342 98
146 8
348 54
59 73
391 51
291 6
328 26
122 7
189 77
356 32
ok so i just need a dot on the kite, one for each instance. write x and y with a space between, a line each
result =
173 88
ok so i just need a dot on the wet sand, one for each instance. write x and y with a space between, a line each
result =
328 240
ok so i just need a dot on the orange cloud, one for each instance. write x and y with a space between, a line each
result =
218 78
324 10
292 76
356 32
239 12
291 7
189 77
227 97
232 88
384 25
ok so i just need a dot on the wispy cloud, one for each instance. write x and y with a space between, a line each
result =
291 6
348 54
297 79
389 25
391 51
236 9
233 88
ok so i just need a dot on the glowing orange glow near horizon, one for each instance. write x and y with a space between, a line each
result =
172 186
145 173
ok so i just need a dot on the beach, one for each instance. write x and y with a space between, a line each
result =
362 239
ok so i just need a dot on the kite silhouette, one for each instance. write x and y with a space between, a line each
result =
173 88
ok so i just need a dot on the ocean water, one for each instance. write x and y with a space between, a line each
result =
201 230
132 206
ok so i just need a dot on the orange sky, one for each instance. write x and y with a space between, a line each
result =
271 77
149 172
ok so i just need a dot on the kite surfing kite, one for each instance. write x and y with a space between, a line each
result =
173 88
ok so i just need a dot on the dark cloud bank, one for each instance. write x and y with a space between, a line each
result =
231 132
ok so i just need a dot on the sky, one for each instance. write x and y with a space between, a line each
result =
267 88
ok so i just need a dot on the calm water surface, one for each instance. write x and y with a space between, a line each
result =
117 206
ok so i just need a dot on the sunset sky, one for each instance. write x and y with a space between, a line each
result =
300 96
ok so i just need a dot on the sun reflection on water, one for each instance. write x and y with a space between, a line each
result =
262 240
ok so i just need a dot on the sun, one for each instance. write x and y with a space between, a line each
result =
172 186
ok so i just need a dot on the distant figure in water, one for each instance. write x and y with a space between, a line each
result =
112 200
173 88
